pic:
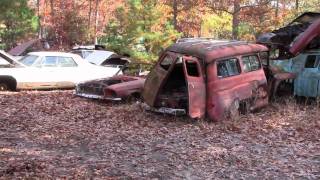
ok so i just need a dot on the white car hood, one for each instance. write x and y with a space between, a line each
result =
7 59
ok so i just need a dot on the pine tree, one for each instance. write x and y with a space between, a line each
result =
16 21
140 29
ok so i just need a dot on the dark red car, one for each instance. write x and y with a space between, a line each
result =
115 88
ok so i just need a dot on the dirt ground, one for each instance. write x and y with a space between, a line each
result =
57 135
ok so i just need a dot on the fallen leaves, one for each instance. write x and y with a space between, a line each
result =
57 135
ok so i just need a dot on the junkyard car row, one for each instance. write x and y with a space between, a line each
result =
195 76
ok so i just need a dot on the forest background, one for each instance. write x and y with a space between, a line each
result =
142 28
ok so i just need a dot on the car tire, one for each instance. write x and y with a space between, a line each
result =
4 87
133 97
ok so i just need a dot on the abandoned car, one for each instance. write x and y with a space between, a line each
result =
203 77
107 58
49 70
301 34
85 50
294 50
305 71
116 88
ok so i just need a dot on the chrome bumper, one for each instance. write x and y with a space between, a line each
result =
93 96
164 110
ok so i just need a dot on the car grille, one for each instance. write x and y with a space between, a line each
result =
94 89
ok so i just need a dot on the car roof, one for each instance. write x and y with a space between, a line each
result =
53 53
210 50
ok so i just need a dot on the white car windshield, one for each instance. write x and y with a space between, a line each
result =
29 60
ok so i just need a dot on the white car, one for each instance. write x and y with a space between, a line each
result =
48 70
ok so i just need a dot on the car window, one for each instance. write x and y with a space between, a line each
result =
50 61
229 67
264 57
312 61
29 60
66 62
192 68
166 62
250 63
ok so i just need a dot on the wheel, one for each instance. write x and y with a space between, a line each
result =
132 98
4 87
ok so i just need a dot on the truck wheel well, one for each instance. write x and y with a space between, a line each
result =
9 81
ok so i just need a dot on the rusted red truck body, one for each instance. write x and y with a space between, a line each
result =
207 78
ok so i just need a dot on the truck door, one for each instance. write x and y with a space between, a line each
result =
157 77
196 87
308 81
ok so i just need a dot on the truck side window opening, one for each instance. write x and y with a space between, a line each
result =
312 61
192 68
228 68
250 63
264 57
166 62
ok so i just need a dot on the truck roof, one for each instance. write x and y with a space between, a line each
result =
210 50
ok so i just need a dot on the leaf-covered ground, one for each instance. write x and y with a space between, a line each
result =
57 135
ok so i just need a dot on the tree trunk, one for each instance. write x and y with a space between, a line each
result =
297 5
96 24
89 15
52 9
175 14
39 20
235 19
53 21
277 9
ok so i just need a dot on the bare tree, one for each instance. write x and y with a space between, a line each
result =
235 18
175 14
277 8
96 21
89 14
39 19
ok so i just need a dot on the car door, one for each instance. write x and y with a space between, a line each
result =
157 77
196 87
49 72
68 72
32 76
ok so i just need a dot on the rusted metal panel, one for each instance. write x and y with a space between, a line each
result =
21 49
307 83
156 79
115 88
209 50
223 92
196 88
304 39
301 34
